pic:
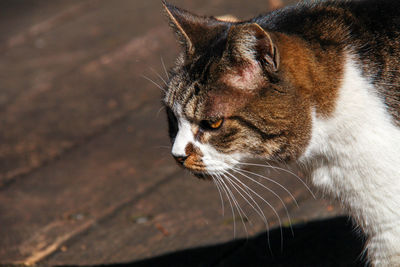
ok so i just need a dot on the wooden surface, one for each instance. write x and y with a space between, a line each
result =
85 172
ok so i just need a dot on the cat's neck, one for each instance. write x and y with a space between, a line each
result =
354 156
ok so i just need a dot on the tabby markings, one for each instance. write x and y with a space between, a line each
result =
213 160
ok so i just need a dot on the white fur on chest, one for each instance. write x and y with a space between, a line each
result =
354 156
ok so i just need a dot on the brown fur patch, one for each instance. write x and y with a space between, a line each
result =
194 161
224 102
314 73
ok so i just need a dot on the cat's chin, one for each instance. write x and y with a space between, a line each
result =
202 176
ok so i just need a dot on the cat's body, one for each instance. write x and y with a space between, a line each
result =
316 83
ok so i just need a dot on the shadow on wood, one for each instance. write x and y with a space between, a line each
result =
332 242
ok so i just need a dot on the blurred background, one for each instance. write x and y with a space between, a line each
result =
86 176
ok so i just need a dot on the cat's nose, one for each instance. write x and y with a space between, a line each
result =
180 159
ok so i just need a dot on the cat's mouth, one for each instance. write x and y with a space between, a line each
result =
194 166
203 172
198 170
205 162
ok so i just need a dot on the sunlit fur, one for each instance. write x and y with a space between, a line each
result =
354 156
317 84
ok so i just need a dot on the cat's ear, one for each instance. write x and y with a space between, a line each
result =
250 42
250 51
194 32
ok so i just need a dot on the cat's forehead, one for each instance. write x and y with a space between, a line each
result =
198 101
188 78
184 98
179 86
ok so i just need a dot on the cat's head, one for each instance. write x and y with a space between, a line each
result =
230 96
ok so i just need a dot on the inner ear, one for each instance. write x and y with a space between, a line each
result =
249 52
266 50
250 42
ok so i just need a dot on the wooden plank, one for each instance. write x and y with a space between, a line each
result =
62 100
27 25
50 126
68 196
180 214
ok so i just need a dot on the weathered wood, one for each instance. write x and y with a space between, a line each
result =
85 99
178 215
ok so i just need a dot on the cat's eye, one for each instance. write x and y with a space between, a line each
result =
211 124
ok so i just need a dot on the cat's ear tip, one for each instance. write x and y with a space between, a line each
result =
173 11
166 5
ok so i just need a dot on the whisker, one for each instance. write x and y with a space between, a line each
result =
259 211
158 112
266 202
282 169
270 190
240 210
165 69
272 181
216 182
159 76
224 186
153 82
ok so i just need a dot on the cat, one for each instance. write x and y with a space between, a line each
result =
317 84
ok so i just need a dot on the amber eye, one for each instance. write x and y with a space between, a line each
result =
211 124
